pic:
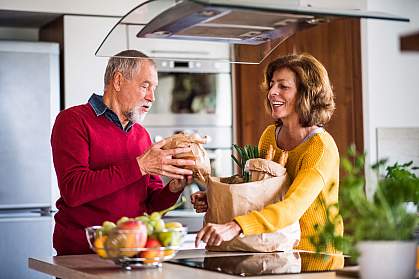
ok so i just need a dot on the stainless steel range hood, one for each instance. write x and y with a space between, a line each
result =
156 27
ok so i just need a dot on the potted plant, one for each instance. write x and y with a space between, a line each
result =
379 229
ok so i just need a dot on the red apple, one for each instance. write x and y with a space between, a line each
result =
152 253
152 243
131 225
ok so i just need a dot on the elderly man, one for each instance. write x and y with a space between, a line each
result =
105 162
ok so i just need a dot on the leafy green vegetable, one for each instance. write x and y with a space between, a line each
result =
245 153
388 215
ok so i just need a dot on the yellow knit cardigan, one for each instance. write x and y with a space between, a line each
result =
313 168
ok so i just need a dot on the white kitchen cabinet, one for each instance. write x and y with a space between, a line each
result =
83 71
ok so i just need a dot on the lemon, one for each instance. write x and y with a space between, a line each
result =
173 225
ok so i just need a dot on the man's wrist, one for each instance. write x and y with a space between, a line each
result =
142 170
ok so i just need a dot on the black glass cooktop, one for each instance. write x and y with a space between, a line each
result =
256 264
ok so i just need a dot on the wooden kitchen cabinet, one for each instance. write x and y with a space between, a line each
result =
337 45
81 71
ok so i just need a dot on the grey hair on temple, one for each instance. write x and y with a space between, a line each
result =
126 62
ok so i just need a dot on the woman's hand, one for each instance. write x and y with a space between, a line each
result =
177 185
199 201
215 234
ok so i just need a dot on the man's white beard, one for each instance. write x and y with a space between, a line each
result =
136 116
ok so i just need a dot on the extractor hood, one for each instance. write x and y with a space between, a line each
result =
157 26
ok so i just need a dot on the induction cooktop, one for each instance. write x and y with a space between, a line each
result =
257 264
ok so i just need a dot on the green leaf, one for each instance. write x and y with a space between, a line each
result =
347 165
244 153
384 217
352 150
235 160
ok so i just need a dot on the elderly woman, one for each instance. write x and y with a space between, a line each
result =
300 99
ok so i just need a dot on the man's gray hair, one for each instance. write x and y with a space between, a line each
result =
126 62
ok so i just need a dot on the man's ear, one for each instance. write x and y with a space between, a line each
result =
117 81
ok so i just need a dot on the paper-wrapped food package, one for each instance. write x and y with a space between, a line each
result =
226 200
202 168
261 169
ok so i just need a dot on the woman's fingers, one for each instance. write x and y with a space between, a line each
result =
199 200
215 239
215 234
200 235
198 196
201 209
209 231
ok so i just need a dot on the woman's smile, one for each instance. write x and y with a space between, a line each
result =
277 104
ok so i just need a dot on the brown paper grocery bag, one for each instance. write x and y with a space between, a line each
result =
226 201
261 263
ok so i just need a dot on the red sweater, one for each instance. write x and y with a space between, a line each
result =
98 176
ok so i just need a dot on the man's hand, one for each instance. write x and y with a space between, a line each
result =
199 201
215 234
157 161
177 185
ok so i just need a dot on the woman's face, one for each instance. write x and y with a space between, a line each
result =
282 95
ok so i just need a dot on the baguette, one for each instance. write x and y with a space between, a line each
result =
271 153
283 157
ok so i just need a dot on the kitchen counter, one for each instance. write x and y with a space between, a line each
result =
91 266
187 217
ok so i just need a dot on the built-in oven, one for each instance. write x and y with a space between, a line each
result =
195 97
192 94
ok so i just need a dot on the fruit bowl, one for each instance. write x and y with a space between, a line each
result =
132 248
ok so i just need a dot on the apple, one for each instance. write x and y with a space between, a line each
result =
128 235
122 220
107 226
131 225
151 254
170 237
136 232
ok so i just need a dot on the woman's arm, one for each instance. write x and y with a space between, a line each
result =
301 194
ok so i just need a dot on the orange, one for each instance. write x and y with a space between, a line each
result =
168 252
100 246
150 255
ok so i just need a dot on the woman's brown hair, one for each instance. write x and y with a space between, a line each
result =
315 104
